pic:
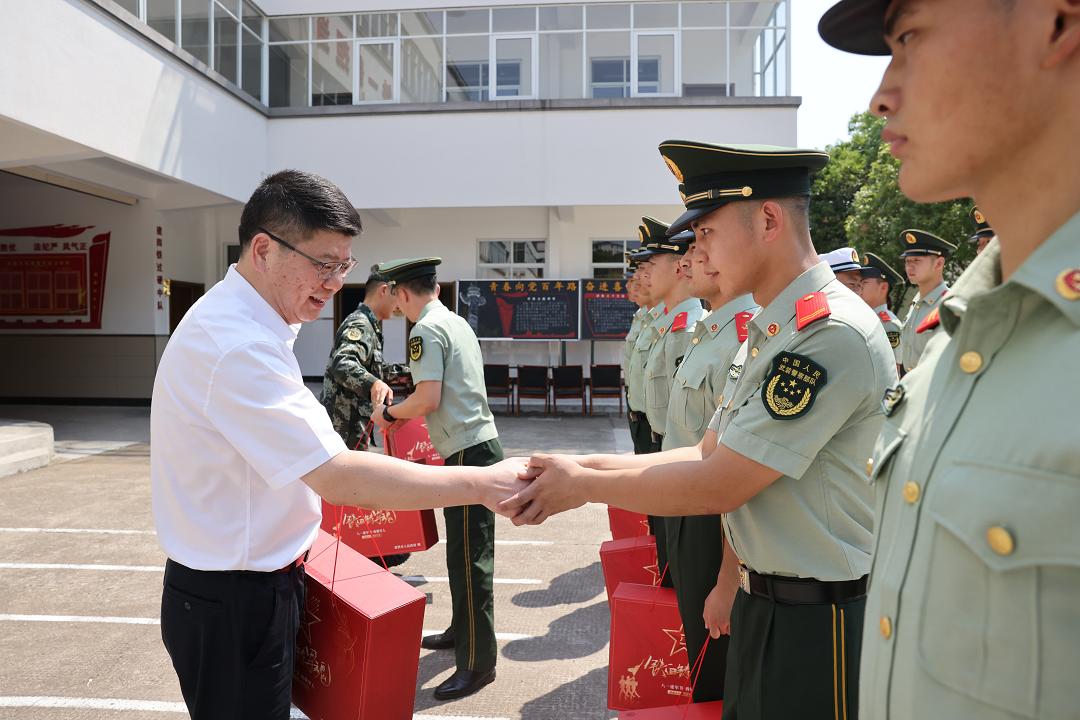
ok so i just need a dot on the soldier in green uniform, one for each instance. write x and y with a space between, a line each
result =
356 375
924 259
695 543
844 262
786 473
448 372
973 611
879 281
640 431
983 232
635 295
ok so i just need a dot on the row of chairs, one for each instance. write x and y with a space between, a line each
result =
564 382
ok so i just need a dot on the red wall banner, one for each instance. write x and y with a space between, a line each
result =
52 277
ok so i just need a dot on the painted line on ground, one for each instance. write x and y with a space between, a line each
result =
159 706
76 531
74 566
514 542
500 636
443 579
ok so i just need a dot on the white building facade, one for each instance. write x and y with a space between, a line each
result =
514 141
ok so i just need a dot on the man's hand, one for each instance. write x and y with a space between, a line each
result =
556 487
381 394
381 422
717 614
503 480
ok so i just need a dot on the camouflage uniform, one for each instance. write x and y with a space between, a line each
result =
355 363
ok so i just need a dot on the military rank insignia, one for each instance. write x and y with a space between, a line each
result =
416 348
894 338
930 322
353 335
792 386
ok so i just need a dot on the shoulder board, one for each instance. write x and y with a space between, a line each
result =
742 322
679 323
884 316
811 308
930 322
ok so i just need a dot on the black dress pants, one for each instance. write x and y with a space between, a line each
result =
232 639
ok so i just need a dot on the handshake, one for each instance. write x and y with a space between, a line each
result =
530 490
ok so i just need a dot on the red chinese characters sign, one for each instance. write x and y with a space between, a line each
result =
52 277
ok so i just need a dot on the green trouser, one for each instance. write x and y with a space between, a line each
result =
695 548
793 661
470 564
644 443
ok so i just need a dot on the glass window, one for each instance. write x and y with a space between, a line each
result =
704 63
752 14
462 22
252 18
251 64
331 73
376 25
511 258
132 6
282 29
561 58
421 70
422 23
467 68
332 27
599 17
609 259
161 16
609 64
289 75
513 67
518 19
566 17
195 28
704 14
656 16
376 72
225 39
656 64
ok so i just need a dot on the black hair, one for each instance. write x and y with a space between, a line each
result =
297 203
420 285
374 280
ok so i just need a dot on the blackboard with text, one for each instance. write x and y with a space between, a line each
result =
521 309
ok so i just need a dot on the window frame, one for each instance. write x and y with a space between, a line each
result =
510 265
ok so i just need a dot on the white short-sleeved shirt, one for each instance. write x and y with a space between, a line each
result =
233 428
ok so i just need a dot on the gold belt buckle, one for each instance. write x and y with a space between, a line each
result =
744 579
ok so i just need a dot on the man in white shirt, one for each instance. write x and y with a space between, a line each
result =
241 450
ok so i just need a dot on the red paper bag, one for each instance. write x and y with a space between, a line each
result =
632 560
374 533
358 648
698 711
625 524
647 660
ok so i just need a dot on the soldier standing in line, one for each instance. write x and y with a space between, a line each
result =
695 544
640 431
924 259
879 280
448 372
844 262
983 232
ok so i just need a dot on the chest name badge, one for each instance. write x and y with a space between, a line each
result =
893 397
792 386
894 338
416 348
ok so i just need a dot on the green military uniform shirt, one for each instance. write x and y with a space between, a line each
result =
808 405
631 338
697 389
674 331
912 344
635 376
974 603
893 330
442 347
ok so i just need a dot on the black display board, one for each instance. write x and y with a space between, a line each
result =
520 309
606 314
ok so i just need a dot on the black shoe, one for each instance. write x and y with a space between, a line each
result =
390 560
442 641
463 683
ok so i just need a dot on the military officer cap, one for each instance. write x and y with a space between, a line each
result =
842 259
856 26
655 241
920 242
876 268
711 176
401 270
982 225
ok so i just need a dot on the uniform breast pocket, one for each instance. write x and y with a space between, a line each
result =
1001 619
692 407
880 463
659 388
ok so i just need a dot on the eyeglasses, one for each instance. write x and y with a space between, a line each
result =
327 270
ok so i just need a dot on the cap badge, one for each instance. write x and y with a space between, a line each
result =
854 256
979 217
674 169
1068 284
910 237
865 260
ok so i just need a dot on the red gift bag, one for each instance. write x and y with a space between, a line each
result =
374 533
625 524
358 648
697 711
632 560
648 665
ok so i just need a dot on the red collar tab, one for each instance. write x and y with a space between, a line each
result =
811 308
884 316
930 322
742 322
679 323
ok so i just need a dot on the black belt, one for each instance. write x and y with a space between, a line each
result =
294 564
634 415
801 591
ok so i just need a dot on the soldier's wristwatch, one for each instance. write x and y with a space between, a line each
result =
386 414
